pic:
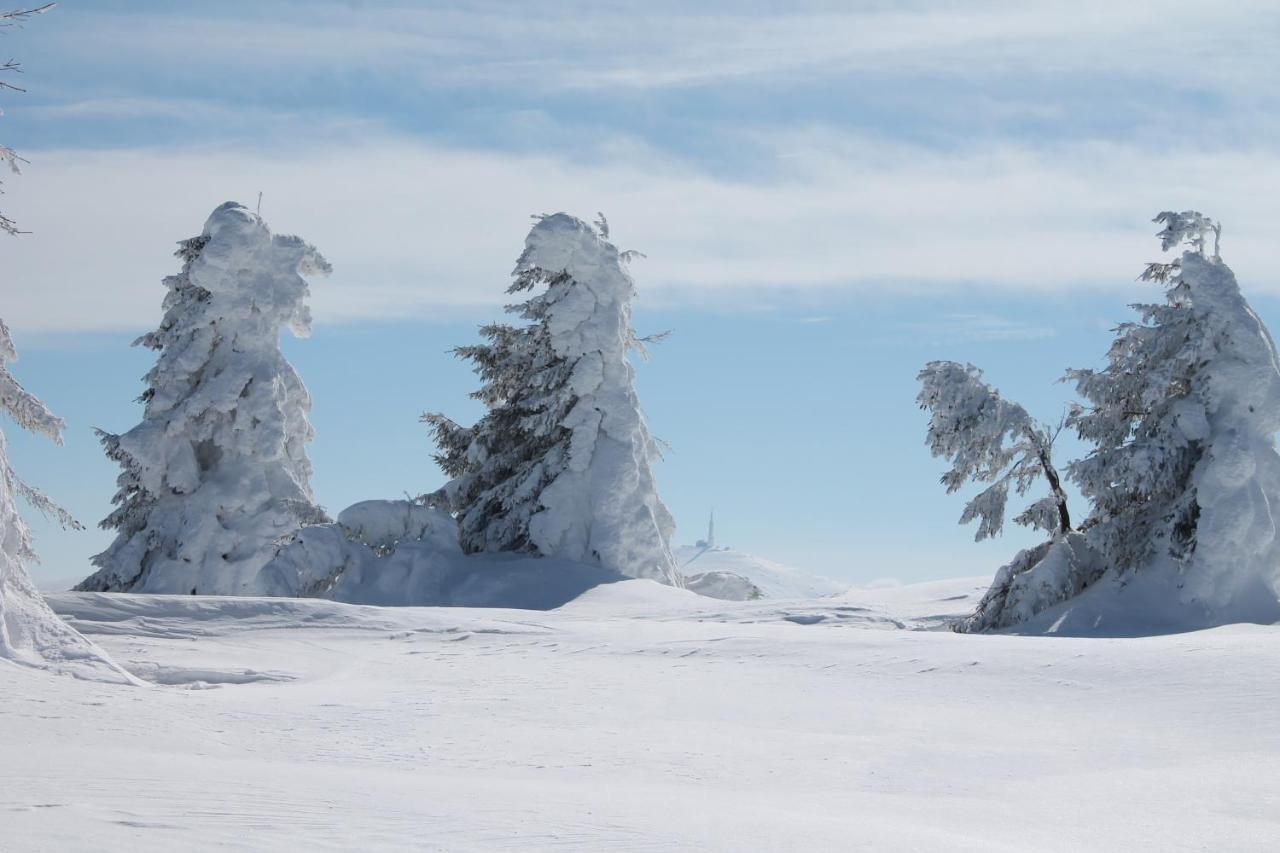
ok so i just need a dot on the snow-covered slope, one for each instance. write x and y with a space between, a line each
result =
774 580
638 718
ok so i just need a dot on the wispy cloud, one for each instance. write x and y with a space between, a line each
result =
580 44
959 327
414 229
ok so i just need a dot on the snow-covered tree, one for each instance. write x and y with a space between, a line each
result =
31 633
216 474
1184 476
989 439
561 463
8 157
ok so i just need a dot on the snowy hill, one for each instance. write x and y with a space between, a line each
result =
638 717
774 580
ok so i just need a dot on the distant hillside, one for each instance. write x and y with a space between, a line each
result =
773 579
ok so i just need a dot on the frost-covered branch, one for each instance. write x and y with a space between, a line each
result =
990 440
1190 227
9 157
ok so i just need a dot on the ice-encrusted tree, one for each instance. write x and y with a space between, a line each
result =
8 157
216 474
30 633
561 465
989 439
1184 477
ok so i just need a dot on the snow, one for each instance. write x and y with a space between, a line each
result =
773 579
639 717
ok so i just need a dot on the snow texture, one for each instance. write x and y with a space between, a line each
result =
562 464
30 634
217 473
640 718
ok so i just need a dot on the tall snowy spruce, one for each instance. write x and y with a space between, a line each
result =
1184 476
30 633
561 464
216 474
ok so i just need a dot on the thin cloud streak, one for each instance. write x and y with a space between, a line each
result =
579 45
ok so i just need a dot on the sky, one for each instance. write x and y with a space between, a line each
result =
828 195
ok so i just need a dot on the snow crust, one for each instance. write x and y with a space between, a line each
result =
217 473
639 718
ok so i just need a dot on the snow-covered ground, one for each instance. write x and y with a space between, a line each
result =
638 718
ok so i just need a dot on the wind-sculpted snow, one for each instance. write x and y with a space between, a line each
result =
217 473
639 718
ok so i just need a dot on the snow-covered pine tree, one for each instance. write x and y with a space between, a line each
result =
216 474
30 633
561 463
989 439
1184 477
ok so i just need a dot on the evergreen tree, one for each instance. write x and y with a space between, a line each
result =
30 633
216 474
1184 477
561 463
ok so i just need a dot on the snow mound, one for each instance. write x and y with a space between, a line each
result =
724 585
1036 580
398 553
774 580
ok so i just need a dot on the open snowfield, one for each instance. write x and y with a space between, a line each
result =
638 718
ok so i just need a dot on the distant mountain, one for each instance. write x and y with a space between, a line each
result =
707 566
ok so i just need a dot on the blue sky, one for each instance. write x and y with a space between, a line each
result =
828 195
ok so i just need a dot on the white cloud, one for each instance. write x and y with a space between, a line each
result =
415 229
